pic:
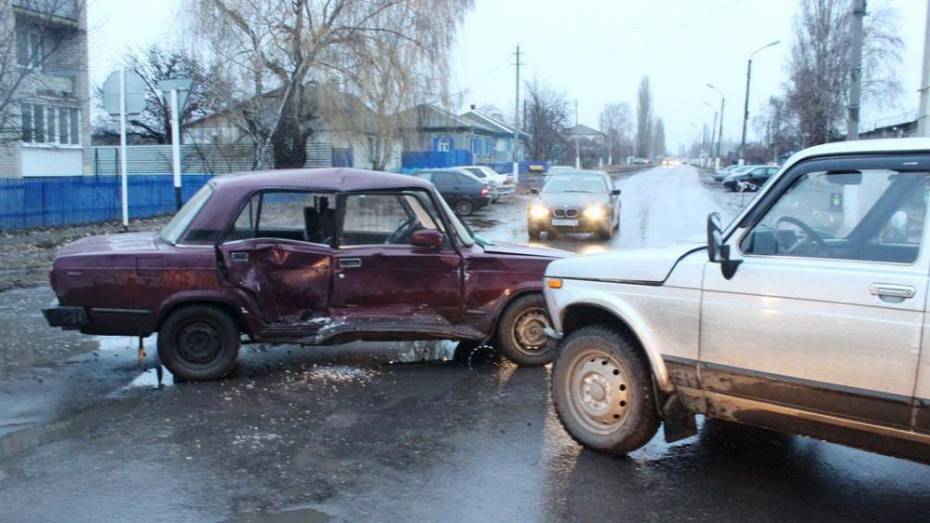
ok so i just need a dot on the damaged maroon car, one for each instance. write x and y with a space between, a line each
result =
311 257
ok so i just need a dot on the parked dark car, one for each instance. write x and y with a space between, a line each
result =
749 180
575 201
311 257
462 190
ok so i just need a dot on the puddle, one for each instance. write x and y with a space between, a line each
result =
303 515
427 351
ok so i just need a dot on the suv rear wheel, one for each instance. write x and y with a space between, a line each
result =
520 333
602 390
199 342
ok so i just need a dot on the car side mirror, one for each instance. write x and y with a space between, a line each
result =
717 251
615 192
534 191
427 238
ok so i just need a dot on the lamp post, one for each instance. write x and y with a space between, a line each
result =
742 142
713 128
720 132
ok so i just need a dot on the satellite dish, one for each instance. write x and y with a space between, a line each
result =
135 93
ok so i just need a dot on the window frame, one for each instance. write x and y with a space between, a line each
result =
51 135
223 237
901 163
450 240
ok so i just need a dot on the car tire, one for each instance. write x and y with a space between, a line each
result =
602 390
464 207
199 343
520 335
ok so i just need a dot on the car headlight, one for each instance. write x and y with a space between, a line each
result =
538 211
595 212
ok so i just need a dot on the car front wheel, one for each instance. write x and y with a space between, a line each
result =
521 333
198 343
602 390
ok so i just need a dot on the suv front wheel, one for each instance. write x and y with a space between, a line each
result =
602 390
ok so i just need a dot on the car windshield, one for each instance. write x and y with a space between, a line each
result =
575 183
173 230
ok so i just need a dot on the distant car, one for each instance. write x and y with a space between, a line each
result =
721 175
575 201
309 257
751 179
501 184
640 161
463 191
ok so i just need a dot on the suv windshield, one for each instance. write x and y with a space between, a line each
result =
173 230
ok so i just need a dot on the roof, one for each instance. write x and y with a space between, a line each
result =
885 145
582 130
326 179
490 123
428 116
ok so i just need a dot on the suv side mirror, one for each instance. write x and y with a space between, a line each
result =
427 238
534 191
717 251
615 192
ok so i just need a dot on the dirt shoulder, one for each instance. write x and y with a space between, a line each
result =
26 256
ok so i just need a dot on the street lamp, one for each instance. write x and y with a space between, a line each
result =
720 134
742 143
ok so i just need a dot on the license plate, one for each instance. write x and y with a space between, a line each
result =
564 223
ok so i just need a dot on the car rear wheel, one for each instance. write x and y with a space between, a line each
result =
602 390
521 333
464 207
198 343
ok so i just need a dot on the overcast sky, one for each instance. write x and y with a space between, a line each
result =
594 50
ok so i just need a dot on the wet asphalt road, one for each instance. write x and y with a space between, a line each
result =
348 433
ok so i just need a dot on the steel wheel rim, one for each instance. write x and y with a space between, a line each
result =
598 391
198 343
529 329
463 207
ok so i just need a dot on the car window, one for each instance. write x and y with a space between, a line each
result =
575 183
477 172
172 231
287 215
375 219
444 179
872 215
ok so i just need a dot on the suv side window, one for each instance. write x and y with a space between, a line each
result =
870 215
373 219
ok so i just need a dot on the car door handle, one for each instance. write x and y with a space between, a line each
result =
239 257
890 290
350 263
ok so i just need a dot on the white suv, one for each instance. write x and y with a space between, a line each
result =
807 314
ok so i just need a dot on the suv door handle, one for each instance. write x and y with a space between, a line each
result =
350 263
890 290
239 257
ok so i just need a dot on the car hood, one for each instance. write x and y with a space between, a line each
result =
645 266
576 200
136 242
520 249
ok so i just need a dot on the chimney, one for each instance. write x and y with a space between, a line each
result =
473 107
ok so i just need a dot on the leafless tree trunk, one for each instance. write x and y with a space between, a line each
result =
644 119
547 116
618 127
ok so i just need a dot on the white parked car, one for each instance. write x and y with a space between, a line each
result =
807 314
501 184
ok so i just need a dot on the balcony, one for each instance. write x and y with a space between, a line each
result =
61 12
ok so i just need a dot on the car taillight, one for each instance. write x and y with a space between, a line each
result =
485 190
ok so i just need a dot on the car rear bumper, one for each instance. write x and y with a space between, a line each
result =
503 190
67 318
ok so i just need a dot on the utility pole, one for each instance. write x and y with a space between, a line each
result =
855 70
923 118
577 150
720 132
742 143
516 123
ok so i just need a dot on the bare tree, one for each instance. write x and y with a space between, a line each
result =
23 52
658 138
644 119
819 66
278 52
617 125
547 116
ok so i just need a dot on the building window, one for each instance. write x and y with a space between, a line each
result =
444 144
51 125
29 51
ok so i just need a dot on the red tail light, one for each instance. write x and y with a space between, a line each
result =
485 190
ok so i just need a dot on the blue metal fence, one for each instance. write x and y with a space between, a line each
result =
44 202
435 159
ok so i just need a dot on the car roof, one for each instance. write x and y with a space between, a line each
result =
325 179
878 146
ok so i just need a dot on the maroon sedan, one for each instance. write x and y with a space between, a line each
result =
313 257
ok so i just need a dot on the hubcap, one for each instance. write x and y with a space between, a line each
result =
600 391
198 342
529 329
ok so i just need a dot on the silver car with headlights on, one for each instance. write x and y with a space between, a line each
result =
575 201
806 314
